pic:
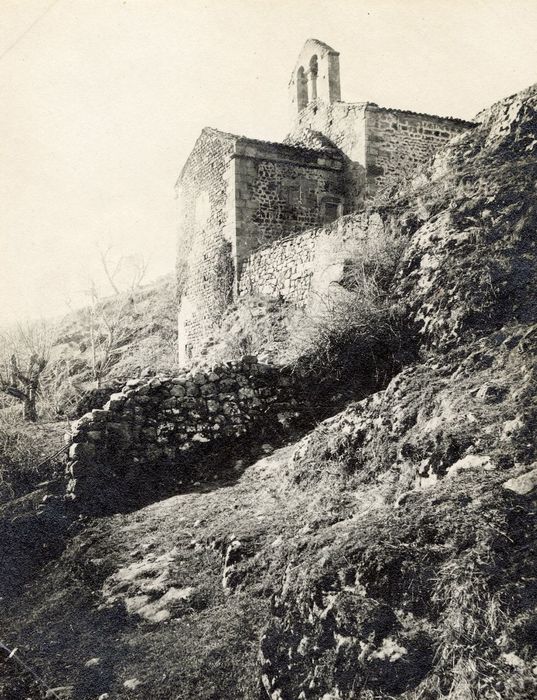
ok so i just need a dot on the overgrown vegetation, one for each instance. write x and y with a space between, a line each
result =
389 553
348 332
24 447
49 371
355 324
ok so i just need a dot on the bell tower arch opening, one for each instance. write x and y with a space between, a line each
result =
315 76
313 73
301 88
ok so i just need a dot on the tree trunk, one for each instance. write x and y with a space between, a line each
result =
29 411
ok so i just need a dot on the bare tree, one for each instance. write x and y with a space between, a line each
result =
26 354
106 334
110 269
138 265
124 272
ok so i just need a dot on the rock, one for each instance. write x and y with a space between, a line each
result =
523 484
64 692
99 414
93 662
470 462
81 450
513 660
510 427
115 402
230 576
490 393
249 359
82 422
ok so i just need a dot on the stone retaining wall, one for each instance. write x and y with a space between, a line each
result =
309 262
157 431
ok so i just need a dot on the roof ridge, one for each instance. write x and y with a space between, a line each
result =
418 114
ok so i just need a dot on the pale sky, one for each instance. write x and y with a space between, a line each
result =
102 101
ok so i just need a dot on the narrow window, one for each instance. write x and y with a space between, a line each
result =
301 89
314 71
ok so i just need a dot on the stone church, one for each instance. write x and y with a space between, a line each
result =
250 206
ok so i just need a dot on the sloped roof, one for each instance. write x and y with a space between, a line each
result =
276 145
326 148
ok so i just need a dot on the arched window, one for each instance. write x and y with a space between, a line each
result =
314 71
301 89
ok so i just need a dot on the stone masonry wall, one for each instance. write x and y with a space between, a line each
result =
378 143
398 142
206 230
280 190
157 431
298 266
343 126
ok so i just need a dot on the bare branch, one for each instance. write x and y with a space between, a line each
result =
104 256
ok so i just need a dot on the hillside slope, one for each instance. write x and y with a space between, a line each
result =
144 324
143 335
389 553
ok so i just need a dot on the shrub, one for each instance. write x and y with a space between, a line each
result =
23 448
354 327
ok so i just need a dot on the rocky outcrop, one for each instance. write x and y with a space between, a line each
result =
471 266
425 588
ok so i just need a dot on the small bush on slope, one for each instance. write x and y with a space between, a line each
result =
23 448
347 340
356 320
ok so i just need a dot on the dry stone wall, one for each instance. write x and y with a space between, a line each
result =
160 430
306 264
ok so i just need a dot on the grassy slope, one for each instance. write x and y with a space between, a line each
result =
380 557
146 322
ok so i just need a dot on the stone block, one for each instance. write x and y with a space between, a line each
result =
192 389
99 415
83 422
81 451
